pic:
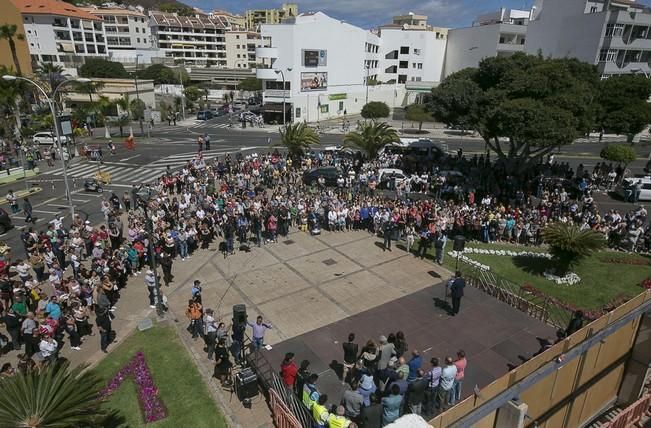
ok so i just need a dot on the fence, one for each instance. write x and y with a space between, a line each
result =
631 415
514 295
283 417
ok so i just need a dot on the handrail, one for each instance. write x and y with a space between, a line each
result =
631 415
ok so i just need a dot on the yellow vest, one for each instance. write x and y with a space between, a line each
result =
317 411
335 421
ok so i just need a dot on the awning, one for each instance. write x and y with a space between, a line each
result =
275 108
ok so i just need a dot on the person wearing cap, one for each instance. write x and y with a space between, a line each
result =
337 419
196 291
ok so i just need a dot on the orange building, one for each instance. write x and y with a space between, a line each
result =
11 16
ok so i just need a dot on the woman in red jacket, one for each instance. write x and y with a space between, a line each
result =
288 371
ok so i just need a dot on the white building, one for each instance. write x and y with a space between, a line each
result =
499 33
61 33
325 63
190 40
613 34
412 55
240 48
126 29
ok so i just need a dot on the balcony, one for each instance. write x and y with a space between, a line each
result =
266 74
266 52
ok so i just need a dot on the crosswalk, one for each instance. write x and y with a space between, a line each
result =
125 175
605 139
181 159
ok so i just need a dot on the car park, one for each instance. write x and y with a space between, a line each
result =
48 138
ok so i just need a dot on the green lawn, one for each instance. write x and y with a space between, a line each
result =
601 282
180 385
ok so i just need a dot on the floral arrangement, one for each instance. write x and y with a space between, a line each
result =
623 261
569 279
150 403
509 253
646 284
468 260
589 314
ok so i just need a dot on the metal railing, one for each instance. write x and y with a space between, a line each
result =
541 308
631 415
283 417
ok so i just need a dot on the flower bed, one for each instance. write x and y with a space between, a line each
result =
150 403
626 261
509 253
569 279
646 284
468 260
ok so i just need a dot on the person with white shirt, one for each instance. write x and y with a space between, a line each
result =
48 350
448 375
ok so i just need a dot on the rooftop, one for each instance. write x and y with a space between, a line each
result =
112 11
52 7
197 21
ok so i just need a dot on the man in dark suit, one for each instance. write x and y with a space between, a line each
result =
456 292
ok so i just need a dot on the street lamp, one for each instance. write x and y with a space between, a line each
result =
135 81
368 68
52 106
282 75
145 195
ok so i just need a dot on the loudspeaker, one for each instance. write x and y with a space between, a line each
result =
247 384
459 243
239 314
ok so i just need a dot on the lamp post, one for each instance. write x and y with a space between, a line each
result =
282 75
135 81
182 93
368 68
52 106
145 195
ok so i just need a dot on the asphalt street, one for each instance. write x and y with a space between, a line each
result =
172 146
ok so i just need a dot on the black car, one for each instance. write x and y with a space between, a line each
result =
204 115
5 221
330 173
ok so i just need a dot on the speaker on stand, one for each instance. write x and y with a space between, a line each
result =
458 246
239 314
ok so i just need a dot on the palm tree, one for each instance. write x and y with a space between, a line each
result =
568 244
52 74
9 32
296 138
371 137
55 396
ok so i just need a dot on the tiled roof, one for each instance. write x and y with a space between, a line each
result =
52 7
112 11
199 21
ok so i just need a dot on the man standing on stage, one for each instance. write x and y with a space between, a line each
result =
456 292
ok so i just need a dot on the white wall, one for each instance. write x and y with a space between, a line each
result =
40 34
432 54
562 29
468 46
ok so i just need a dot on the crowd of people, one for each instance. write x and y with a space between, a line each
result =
72 274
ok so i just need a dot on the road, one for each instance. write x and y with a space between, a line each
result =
172 146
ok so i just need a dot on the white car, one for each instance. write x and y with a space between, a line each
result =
627 187
398 174
48 138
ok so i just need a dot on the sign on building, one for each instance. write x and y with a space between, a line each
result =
317 81
315 57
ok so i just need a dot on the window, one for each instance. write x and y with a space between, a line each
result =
341 106
325 108
138 40
413 65
404 50
607 55
237 36
593 9
404 64
420 65
238 46
402 78
418 79
238 55
416 51
137 30
298 112
502 39
614 30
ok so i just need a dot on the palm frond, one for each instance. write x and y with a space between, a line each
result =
568 243
371 137
297 138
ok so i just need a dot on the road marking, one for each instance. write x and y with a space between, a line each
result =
129 158
80 200
46 212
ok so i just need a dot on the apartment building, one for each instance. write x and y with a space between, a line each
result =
197 40
411 20
126 29
233 21
11 16
613 34
254 18
320 66
499 33
61 33
241 46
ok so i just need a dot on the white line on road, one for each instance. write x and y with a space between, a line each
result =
129 158
46 212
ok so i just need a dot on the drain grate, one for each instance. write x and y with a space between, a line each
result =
329 262
289 242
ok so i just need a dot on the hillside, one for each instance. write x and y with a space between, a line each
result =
163 5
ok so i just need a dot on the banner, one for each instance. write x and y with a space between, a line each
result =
317 81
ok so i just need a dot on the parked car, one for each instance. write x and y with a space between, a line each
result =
48 138
626 188
5 221
330 173
204 115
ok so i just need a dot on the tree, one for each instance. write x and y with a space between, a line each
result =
624 106
523 106
160 74
618 153
417 113
250 84
9 32
375 110
51 74
99 67
55 396
296 138
193 93
371 138
568 244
